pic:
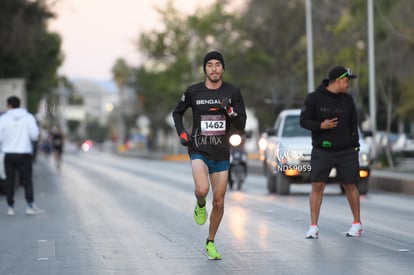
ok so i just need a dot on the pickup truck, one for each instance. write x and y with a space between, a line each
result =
286 154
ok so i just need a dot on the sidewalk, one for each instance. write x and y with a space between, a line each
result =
390 181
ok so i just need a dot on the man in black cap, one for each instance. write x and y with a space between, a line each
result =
216 105
330 113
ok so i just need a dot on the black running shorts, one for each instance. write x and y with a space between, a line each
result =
346 163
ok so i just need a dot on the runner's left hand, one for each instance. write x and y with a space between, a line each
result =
225 104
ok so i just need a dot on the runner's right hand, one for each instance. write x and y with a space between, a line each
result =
184 138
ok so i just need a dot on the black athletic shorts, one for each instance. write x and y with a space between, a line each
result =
346 163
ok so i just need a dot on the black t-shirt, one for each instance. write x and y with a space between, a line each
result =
57 140
210 122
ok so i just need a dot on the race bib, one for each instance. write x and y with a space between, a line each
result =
213 125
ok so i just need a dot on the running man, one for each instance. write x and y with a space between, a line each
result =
58 141
216 105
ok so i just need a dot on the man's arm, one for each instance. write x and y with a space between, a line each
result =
307 119
239 121
354 125
178 114
33 129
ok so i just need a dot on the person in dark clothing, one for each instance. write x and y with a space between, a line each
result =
58 140
216 106
330 113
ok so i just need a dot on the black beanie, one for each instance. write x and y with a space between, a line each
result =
213 55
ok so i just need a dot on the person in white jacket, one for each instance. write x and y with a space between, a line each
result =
18 131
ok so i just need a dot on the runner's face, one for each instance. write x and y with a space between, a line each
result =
214 70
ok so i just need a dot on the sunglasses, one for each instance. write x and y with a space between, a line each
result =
347 73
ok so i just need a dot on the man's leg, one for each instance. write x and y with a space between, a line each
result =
315 201
219 188
201 180
25 171
10 178
352 194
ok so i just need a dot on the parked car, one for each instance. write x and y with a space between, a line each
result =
288 153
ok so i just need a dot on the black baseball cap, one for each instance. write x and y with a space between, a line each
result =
340 72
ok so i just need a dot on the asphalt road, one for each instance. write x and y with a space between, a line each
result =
105 214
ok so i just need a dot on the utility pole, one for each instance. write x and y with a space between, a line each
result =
309 41
371 68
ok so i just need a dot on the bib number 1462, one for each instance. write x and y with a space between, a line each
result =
213 125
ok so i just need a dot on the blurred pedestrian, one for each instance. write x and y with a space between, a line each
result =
18 131
330 113
216 105
58 141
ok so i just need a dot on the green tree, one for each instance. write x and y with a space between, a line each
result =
271 56
129 107
265 50
175 56
28 50
394 59
121 72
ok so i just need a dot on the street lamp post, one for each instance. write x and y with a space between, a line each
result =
371 67
309 40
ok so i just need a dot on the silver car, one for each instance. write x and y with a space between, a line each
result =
288 152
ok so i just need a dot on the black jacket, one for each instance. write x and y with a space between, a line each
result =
323 104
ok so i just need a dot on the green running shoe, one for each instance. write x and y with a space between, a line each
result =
200 214
212 251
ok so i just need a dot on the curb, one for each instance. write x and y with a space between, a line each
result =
176 157
392 182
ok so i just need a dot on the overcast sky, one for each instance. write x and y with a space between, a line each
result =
97 32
